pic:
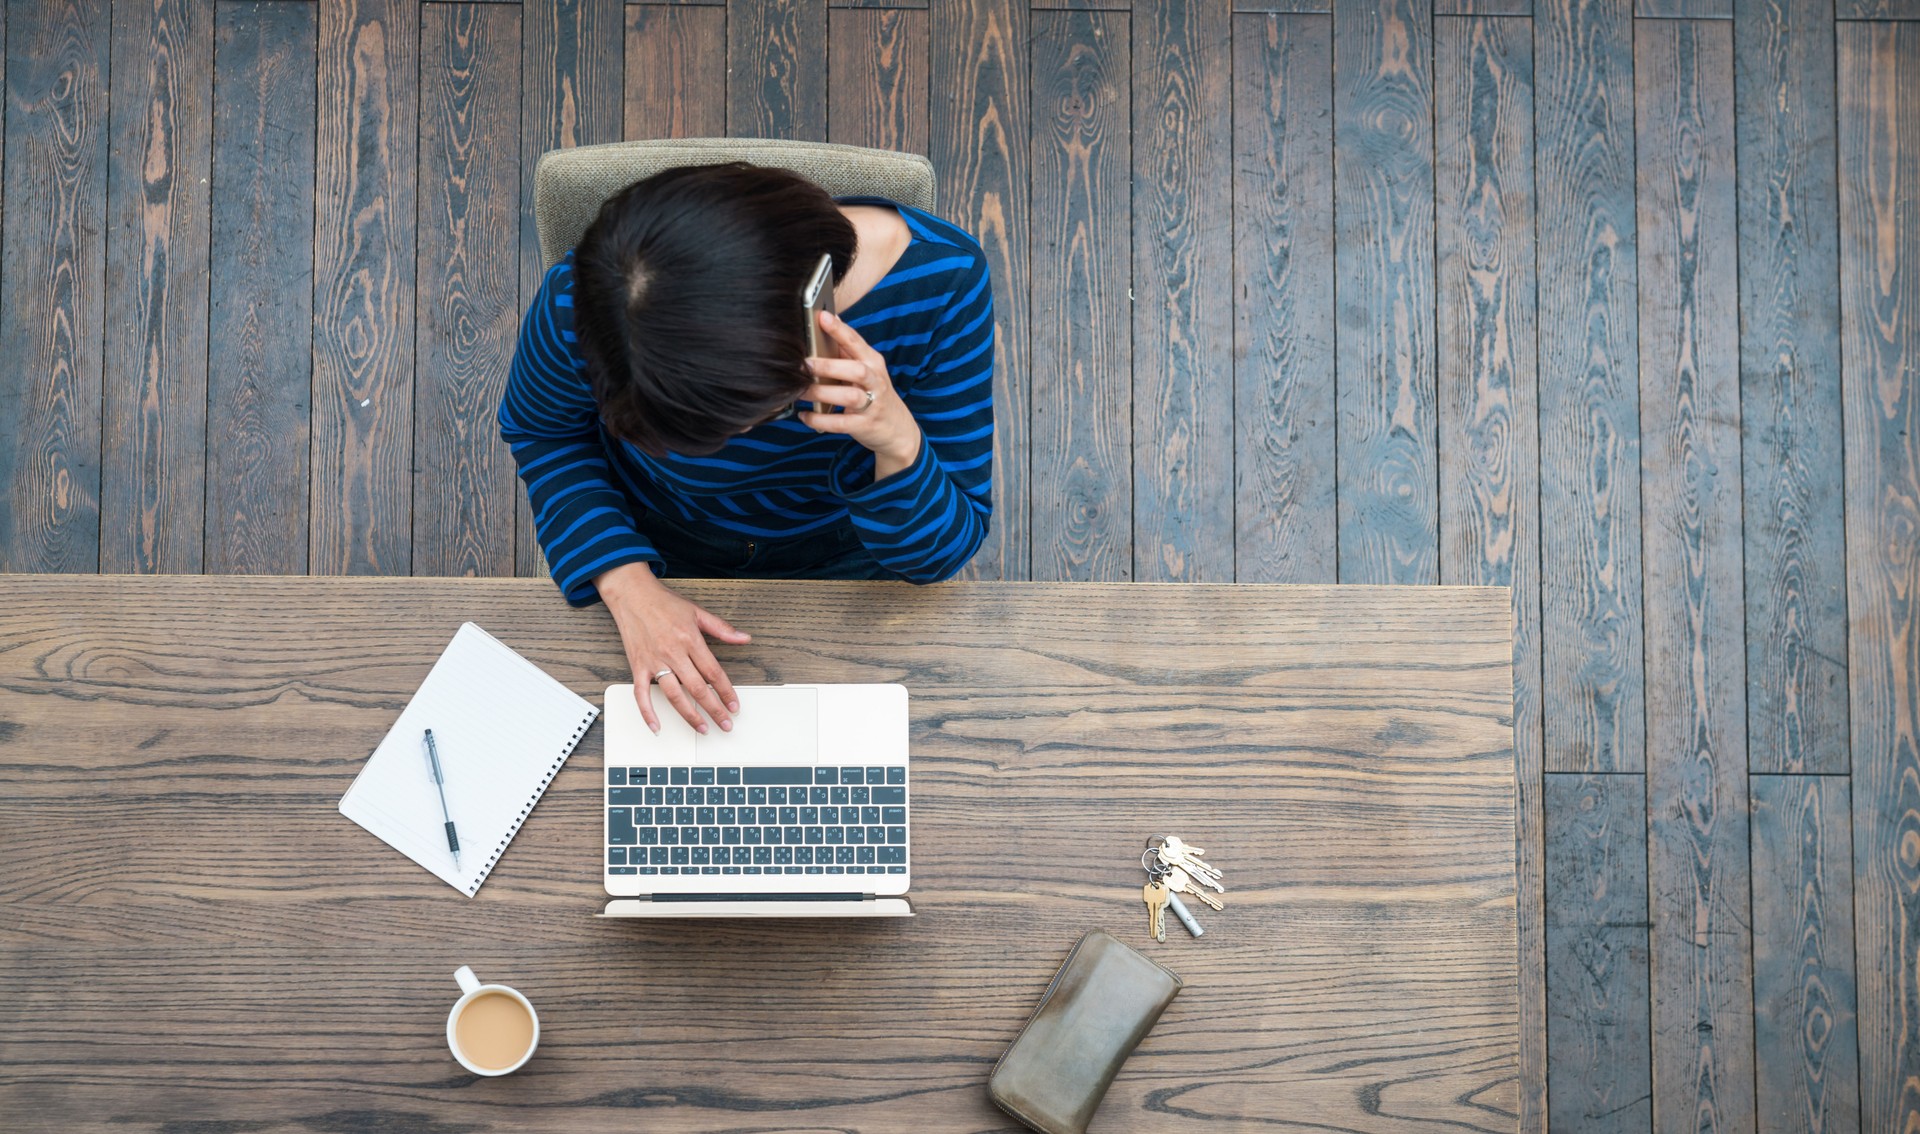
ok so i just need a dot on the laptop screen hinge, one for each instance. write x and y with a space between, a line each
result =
808 897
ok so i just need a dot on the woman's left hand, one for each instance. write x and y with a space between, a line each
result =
858 382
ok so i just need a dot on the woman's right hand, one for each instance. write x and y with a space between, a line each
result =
662 631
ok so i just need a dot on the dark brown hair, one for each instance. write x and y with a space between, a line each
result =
687 300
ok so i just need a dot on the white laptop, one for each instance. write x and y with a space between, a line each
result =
800 811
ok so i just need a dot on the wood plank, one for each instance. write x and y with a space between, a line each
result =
1183 381
1877 9
1489 415
1684 9
1284 520
877 79
6 487
361 487
1599 1076
1805 1036
1483 7
1790 388
154 412
776 85
1283 7
1383 266
52 285
1591 658
978 139
1879 143
571 95
1351 758
468 316
1696 652
676 62
260 322
1082 351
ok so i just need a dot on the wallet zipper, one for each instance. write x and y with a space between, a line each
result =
1057 974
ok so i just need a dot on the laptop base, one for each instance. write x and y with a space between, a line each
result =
870 907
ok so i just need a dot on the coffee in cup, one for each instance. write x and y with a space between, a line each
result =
492 1029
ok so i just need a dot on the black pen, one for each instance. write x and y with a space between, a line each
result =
433 765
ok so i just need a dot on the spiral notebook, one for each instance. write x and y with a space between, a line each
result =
503 728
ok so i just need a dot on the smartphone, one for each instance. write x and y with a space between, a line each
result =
815 298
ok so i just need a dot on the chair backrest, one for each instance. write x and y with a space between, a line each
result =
570 185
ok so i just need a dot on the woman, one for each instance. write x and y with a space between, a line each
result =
651 407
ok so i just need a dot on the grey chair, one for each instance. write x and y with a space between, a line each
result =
569 186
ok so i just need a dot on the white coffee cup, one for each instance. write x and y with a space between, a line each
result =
471 990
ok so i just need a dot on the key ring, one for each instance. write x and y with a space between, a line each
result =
1150 862
1155 842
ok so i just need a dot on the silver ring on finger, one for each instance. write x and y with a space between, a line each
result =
869 405
662 675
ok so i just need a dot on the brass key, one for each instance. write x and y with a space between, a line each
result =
1155 895
1172 852
1178 848
1178 881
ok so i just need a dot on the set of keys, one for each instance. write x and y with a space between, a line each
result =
1174 868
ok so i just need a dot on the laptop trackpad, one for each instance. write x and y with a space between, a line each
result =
775 725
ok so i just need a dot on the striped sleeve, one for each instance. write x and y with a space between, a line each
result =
550 421
925 521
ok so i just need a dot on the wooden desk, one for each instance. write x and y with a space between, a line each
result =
190 932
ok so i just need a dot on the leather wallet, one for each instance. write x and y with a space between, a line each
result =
1097 1010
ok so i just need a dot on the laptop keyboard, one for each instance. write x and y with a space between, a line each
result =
681 820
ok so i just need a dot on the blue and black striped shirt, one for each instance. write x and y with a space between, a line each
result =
931 316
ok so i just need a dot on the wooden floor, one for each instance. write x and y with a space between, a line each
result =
1382 295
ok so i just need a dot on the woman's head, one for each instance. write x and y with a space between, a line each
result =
687 300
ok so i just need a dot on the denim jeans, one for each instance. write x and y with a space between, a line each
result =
710 552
